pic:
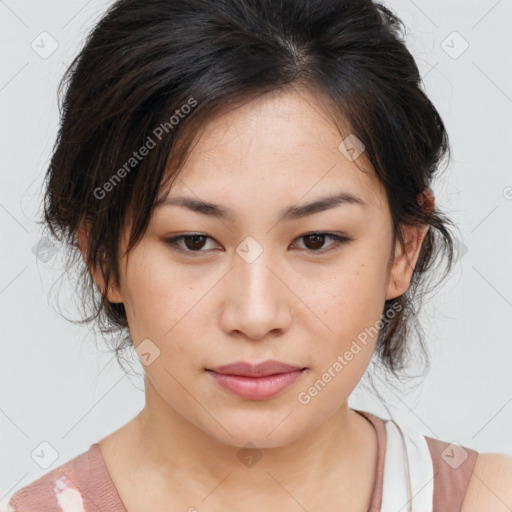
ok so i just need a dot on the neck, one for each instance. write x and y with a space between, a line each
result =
340 455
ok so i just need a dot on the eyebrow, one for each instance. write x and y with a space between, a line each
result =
290 213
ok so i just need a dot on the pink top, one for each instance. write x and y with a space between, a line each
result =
83 484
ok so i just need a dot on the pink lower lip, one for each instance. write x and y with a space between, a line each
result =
256 388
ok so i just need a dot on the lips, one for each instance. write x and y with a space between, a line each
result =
263 369
256 382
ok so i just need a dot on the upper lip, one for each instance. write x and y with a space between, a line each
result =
255 370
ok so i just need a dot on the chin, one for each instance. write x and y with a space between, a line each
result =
270 430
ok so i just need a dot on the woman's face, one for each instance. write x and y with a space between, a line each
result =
256 288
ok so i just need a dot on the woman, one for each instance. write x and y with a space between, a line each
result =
249 184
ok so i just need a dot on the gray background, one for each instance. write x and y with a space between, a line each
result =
60 386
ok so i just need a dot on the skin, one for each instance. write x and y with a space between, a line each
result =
291 304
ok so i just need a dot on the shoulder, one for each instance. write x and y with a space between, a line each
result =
57 489
47 493
490 485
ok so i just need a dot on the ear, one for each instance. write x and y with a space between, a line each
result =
113 294
405 258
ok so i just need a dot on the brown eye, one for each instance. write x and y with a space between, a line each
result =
194 242
314 242
317 241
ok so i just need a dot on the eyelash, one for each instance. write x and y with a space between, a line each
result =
337 241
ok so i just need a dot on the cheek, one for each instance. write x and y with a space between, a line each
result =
354 292
350 305
159 298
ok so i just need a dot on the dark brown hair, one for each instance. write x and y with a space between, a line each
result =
145 61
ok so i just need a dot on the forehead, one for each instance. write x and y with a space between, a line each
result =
283 143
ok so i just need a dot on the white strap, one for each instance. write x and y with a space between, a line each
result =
408 484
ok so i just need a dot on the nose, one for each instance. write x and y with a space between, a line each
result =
256 299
